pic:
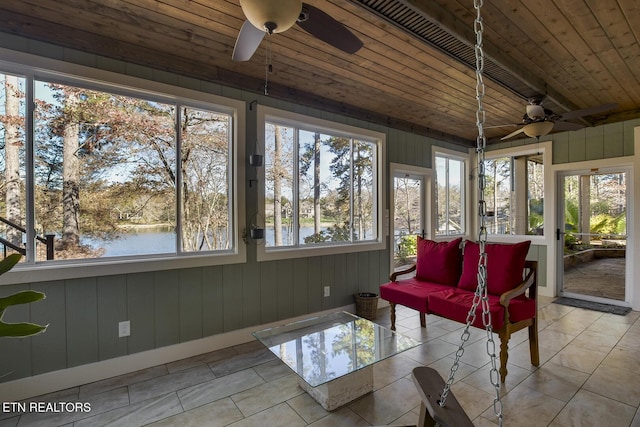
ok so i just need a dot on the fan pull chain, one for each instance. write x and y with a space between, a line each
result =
480 297
268 66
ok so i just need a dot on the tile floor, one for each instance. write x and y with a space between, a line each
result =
589 376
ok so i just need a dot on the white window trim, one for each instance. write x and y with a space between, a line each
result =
265 114
466 196
549 232
45 68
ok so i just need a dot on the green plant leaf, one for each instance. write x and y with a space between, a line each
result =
23 297
8 263
19 330
15 330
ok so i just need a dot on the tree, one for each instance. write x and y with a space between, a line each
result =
78 137
351 166
13 123
316 183
278 173
204 163
279 179
70 173
311 157
498 190
103 158
406 204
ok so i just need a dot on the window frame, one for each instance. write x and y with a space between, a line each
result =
544 149
464 192
34 68
269 114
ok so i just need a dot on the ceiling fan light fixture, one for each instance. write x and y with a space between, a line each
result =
537 129
535 111
272 16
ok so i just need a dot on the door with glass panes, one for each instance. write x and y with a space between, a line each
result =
592 235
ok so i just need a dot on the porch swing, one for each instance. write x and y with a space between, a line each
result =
439 406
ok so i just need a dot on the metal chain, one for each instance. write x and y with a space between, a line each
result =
480 297
268 67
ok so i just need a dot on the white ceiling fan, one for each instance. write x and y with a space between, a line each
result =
276 16
539 121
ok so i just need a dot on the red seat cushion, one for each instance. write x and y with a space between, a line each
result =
455 304
439 262
411 292
505 265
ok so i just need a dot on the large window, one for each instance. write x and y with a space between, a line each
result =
514 194
450 195
321 185
106 173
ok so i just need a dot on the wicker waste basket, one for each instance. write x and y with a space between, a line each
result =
366 305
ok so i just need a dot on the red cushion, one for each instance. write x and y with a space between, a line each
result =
505 264
439 262
455 304
411 293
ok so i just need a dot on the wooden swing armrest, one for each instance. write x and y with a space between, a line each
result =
395 274
529 282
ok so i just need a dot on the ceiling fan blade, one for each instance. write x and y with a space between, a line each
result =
324 27
508 125
512 134
565 126
247 42
589 111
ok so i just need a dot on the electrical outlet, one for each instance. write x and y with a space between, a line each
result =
124 329
327 291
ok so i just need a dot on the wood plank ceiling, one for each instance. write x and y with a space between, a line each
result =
414 71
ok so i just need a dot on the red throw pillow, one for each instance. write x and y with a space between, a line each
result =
505 263
439 262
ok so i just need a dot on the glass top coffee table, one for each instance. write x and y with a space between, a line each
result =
333 355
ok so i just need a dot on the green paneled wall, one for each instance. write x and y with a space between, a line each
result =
112 308
539 253
166 308
140 311
212 302
81 309
15 356
191 308
170 307
232 297
49 350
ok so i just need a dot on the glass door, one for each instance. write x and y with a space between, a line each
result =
408 216
593 235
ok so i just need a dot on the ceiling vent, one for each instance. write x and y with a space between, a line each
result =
415 23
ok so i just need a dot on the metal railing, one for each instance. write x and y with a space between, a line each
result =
48 240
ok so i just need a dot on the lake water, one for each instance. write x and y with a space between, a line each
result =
158 241
143 242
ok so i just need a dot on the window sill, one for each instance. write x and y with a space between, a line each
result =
515 238
273 254
74 269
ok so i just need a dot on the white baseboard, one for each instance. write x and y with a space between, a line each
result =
23 388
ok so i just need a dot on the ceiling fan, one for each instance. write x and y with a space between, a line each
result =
539 121
276 16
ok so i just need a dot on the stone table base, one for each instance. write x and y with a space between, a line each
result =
341 391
